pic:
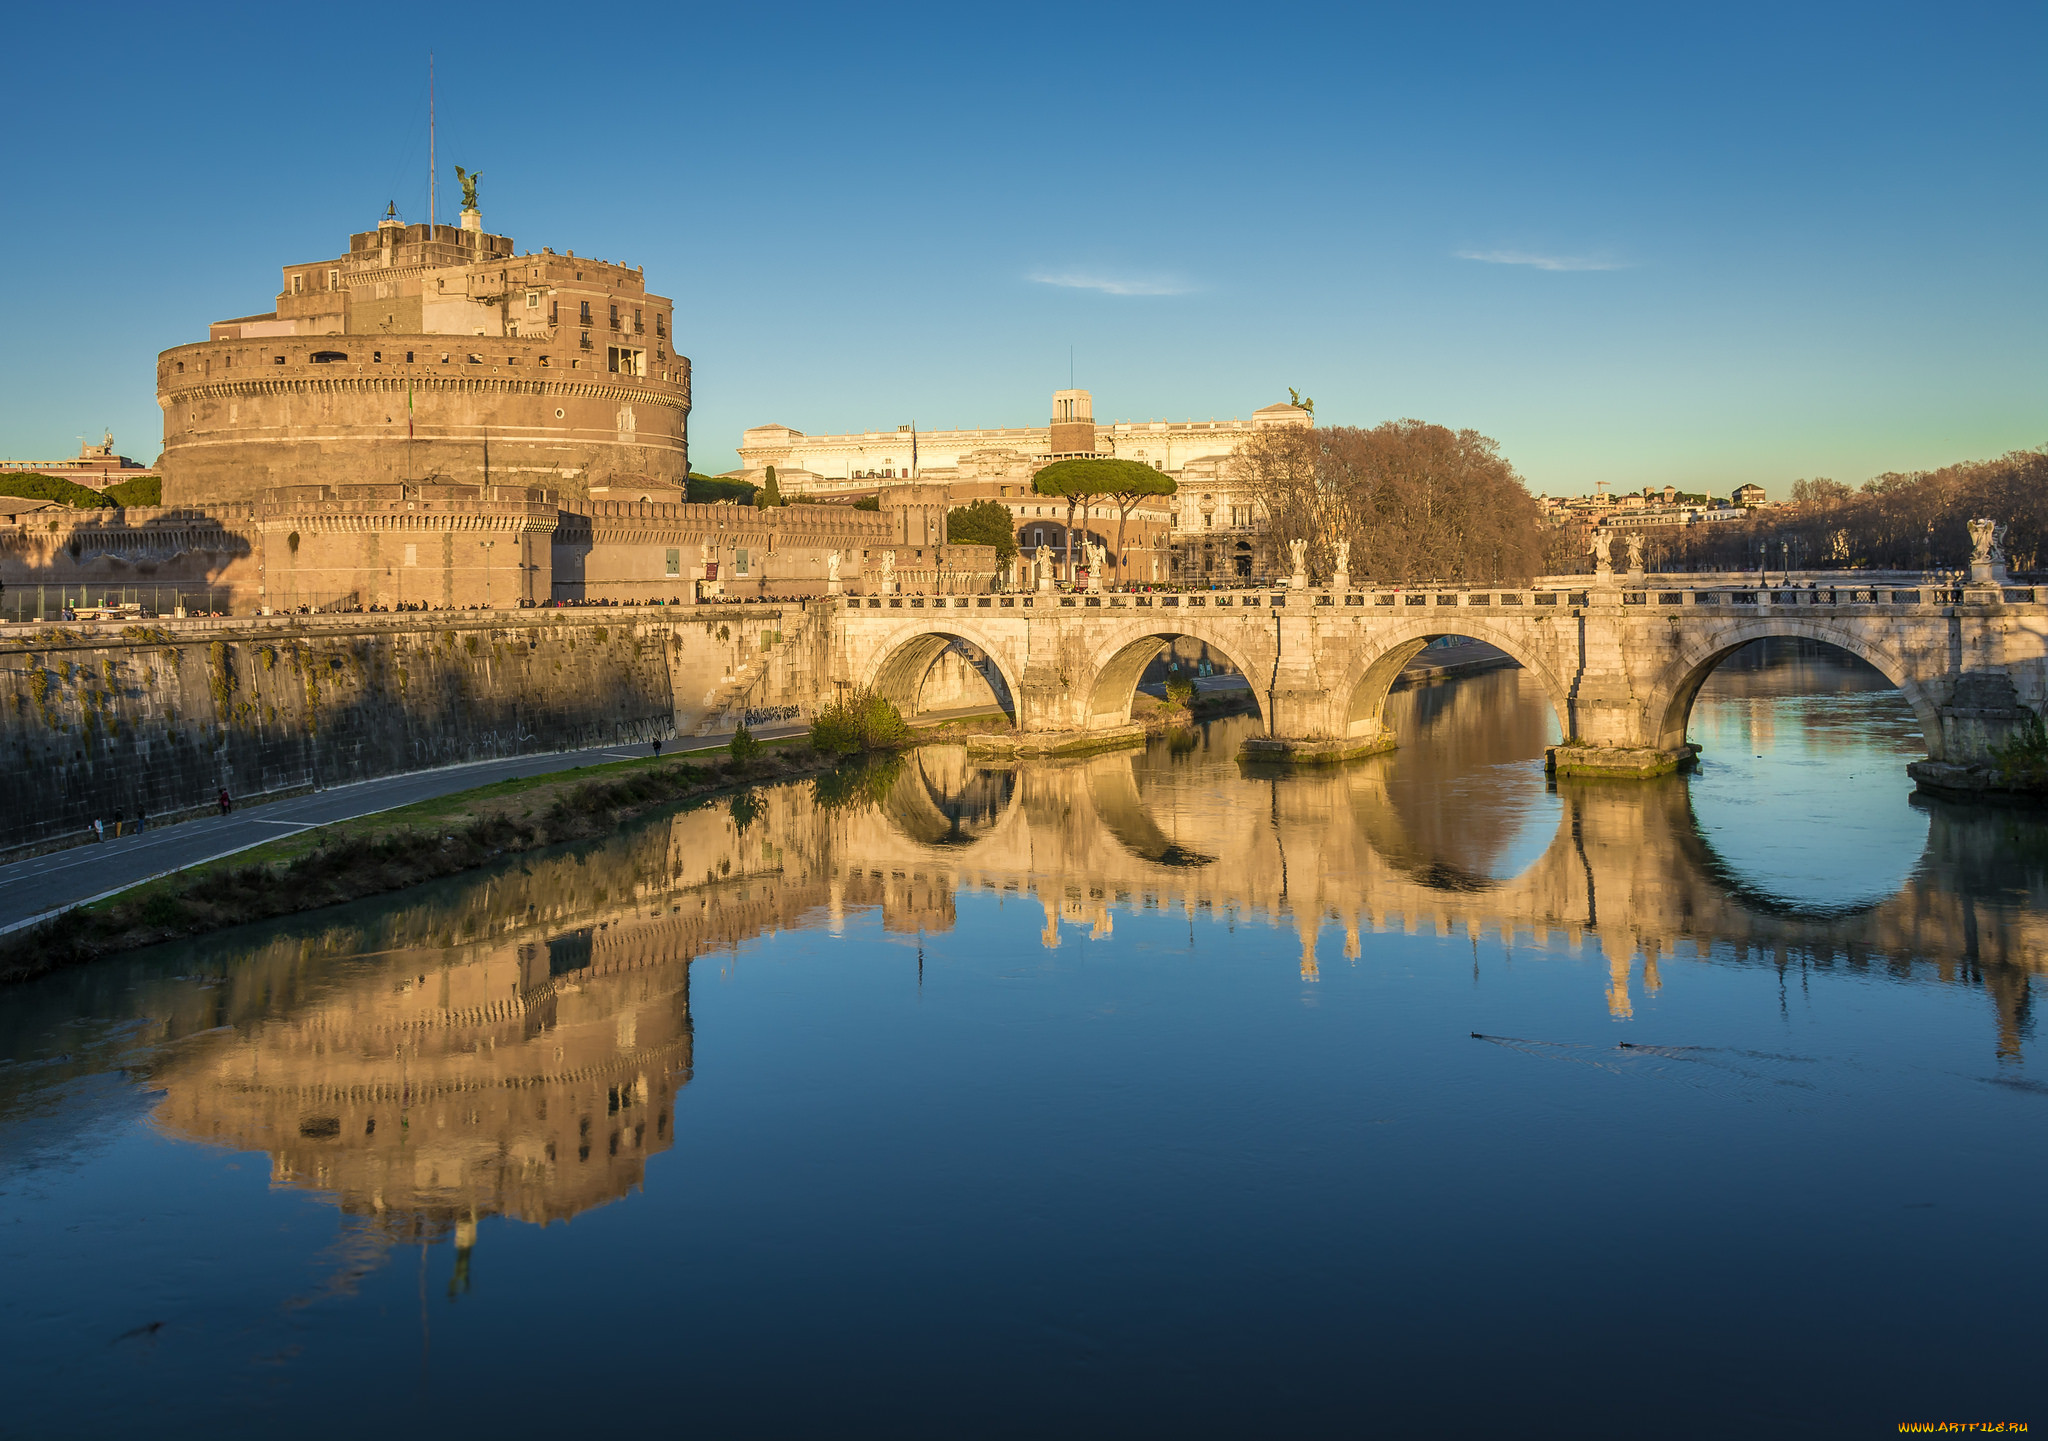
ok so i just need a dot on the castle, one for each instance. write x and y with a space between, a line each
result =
437 420
433 353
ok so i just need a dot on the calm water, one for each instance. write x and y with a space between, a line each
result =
1133 1096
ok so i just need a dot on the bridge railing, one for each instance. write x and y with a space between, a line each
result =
1720 599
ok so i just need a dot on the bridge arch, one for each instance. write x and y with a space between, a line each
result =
1360 696
898 665
1116 663
1676 688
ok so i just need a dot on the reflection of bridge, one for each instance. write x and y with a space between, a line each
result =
1620 659
1330 853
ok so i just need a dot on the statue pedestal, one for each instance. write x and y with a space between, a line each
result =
832 586
1989 572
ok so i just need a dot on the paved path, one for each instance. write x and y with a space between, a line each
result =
43 886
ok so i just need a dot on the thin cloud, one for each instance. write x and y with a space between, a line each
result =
1542 262
1109 284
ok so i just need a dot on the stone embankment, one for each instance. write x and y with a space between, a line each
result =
158 718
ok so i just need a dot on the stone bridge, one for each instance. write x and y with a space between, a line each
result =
1620 657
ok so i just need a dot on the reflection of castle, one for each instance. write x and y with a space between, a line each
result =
531 1081
530 1075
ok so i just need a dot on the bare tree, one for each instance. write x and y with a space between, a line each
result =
1417 501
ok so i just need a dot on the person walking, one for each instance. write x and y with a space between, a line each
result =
226 805
117 824
99 829
141 820
657 747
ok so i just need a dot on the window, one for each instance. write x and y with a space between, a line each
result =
408 357
533 300
544 362
334 280
739 561
615 317
181 367
1208 522
376 357
675 562
279 359
660 323
328 357
298 284
637 326
585 312
554 312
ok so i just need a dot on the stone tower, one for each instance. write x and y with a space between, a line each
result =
1073 423
432 353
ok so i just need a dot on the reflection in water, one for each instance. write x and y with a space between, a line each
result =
513 1044
1061 1157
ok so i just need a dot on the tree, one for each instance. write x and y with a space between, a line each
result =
771 492
985 522
1416 501
1134 481
1918 520
142 490
708 489
31 485
1083 482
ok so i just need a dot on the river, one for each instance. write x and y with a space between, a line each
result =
1146 1094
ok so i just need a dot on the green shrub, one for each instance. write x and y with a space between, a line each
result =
2023 760
30 486
142 490
743 747
860 720
706 489
986 522
1179 692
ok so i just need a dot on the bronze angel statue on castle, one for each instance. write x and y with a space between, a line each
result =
468 180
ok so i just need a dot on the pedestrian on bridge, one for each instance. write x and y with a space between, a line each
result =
226 804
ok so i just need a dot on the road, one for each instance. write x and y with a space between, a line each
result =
45 885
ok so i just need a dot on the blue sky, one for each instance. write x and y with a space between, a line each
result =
1638 243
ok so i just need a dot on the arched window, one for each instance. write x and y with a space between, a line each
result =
327 357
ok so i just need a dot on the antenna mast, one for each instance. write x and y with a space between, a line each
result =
431 175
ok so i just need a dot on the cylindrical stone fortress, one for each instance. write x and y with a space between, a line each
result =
433 354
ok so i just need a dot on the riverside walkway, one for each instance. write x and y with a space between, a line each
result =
46 885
